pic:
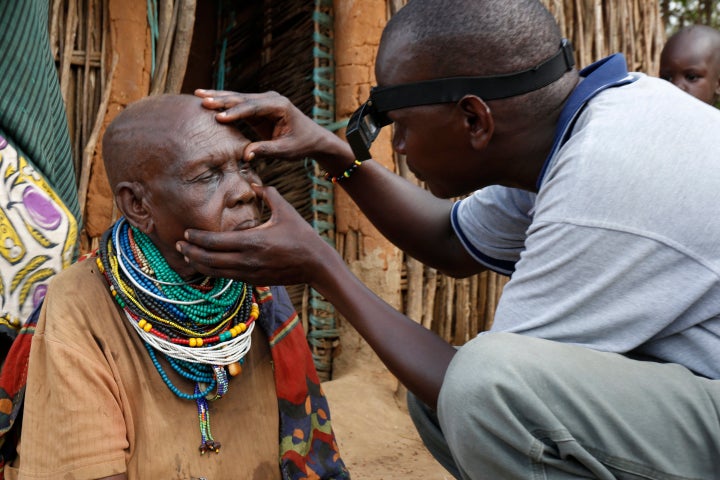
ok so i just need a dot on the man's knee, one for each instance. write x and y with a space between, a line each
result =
488 382
492 368
487 358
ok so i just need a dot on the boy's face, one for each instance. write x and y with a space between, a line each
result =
204 185
689 62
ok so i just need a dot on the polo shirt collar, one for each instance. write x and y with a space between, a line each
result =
606 73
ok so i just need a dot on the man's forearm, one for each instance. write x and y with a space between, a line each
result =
410 217
414 354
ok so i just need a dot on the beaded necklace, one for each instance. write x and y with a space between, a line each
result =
202 327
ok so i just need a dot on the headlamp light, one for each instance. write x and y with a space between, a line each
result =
366 122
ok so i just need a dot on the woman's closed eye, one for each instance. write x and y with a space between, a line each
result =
210 175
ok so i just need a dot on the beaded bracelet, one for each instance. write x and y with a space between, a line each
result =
346 174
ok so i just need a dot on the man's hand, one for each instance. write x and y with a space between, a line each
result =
286 132
284 250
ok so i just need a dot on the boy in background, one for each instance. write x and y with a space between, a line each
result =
691 61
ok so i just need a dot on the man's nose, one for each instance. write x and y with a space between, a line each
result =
398 141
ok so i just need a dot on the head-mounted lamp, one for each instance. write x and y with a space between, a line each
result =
366 122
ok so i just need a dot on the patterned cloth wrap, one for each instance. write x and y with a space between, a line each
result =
12 390
307 444
37 238
38 195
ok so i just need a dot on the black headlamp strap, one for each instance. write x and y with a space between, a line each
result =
452 89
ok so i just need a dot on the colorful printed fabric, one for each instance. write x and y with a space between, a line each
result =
12 390
308 449
37 238
32 112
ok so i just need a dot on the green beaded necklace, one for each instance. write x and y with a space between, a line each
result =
185 317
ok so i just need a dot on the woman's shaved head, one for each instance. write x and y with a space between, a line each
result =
148 133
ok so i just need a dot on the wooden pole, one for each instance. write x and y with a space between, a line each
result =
89 150
181 46
71 23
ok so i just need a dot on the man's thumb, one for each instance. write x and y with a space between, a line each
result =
269 195
262 149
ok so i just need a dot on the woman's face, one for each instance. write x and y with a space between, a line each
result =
202 184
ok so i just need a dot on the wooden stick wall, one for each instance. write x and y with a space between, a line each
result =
87 58
78 39
598 28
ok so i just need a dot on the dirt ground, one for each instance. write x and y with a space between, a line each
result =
376 436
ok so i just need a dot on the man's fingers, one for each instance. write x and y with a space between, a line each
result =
218 99
214 264
209 92
262 149
203 92
245 105
222 264
270 196
246 108
285 148
210 241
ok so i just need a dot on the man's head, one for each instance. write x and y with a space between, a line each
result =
691 60
461 146
172 166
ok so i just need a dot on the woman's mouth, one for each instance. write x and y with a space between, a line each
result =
249 223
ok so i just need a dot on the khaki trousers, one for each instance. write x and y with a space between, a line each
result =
516 407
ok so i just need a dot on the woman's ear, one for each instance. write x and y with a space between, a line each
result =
478 120
131 201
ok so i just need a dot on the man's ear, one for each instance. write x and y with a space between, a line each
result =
478 120
131 201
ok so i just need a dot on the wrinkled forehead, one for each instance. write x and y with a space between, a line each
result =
183 122
201 142
185 118
155 137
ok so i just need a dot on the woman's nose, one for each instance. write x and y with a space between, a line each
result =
239 189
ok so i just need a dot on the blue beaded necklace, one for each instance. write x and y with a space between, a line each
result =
190 314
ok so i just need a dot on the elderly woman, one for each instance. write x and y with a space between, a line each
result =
142 368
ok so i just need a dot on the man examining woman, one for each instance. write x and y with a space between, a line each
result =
590 188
